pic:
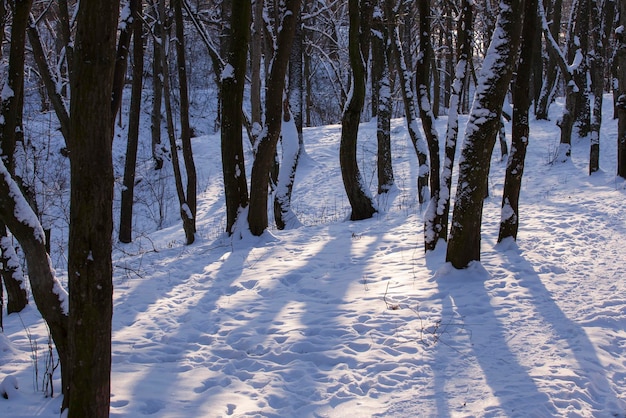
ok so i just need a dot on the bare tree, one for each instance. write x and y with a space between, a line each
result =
620 61
432 220
601 18
233 81
91 218
360 12
509 219
11 112
292 139
127 195
461 74
266 143
482 127
382 105
408 99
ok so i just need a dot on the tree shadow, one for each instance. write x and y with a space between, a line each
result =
283 333
588 380
477 354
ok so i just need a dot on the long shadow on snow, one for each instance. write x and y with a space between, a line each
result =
483 344
170 335
592 381
283 348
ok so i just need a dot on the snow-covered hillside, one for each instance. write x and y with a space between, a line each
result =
352 319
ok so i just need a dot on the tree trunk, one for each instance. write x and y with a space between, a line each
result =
256 58
358 49
461 75
620 60
292 137
383 108
185 129
231 96
12 105
549 86
602 16
421 149
580 41
465 235
91 218
50 297
121 59
49 81
157 86
185 212
432 219
509 218
266 145
128 191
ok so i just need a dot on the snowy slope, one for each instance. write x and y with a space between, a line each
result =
351 319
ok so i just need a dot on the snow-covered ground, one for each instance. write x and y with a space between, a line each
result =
352 319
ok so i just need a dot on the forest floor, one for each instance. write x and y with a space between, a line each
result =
351 319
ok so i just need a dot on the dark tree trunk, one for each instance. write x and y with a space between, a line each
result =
49 295
465 235
360 21
12 105
602 16
66 35
185 213
266 146
421 149
620 64
157 85
185 130
121 60
256 57
231 96
128 191
48 79
293 145
549 85
432 219
580 41
509 219
461 75
12 274
382 89
91 218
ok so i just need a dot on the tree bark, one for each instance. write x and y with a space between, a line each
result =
509 218
185 129
128 191
461 75
432 219
266 145
231 97
620 61
549 86
12 105
91 218
465 235
256 57
420 146
383 107
292 141
185 213
49 81
157 85
50 297
358 49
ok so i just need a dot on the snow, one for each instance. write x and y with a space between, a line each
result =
228 72
340 318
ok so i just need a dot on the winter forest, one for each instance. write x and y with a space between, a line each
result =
285 208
